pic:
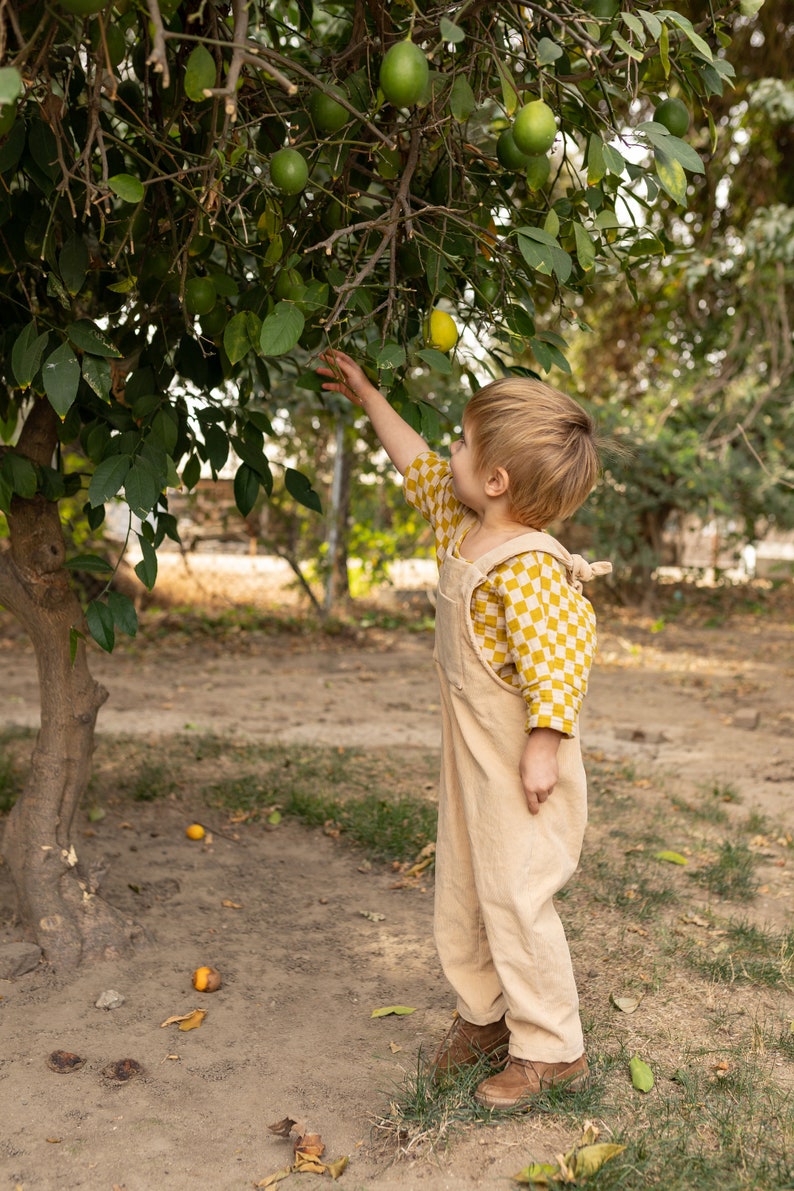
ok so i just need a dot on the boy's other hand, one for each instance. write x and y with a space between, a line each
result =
347 378
538 767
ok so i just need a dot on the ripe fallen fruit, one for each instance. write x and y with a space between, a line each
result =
327 115
403 74
674 115
508 152
195 831
534 128
206 979
440 331
289 171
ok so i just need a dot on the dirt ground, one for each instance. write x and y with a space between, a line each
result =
283 914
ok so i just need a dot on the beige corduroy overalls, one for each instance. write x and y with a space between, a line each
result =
499 938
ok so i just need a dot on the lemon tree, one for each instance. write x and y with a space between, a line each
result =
188 211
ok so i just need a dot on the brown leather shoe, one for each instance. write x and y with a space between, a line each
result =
522 1079
465 1044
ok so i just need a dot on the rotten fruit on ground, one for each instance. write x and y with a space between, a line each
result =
207 979
195 831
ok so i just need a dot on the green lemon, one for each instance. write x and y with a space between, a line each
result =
83 8
674 115
486 292
200 295
214 321
534 128
508 152
289 285
441 331
289 171
538 169
327 115
404 74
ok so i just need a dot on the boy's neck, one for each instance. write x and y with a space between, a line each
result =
494 526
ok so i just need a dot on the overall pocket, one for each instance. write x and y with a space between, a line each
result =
447 650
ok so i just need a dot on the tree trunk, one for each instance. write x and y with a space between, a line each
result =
58 904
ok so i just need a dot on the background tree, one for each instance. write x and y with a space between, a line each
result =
697 374
196 195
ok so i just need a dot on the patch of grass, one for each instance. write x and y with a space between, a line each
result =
150 781
731 874
391 824
745 954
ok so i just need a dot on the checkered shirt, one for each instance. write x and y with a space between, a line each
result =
534 630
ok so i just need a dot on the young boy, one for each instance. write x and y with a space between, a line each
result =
514 644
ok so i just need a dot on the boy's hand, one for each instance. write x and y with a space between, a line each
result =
347 378
538 767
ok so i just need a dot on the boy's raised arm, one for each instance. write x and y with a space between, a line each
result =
399 440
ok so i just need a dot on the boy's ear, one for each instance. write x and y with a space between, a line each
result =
497 482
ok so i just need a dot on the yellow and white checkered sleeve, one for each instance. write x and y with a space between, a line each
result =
551 638
427 485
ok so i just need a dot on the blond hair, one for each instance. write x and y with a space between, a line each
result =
544 440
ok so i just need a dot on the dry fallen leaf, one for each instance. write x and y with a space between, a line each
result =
309 1145
393 1047
283 1128
230 905
625 1004
396 1010
186 1021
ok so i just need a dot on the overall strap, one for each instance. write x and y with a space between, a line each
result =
576 568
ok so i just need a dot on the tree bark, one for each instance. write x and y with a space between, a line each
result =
58 904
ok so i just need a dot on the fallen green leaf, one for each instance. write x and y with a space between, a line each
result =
537 1174
641 1074
589 1159
625 1004
672 857
396 1010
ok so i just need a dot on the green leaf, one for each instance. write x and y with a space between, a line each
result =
73 263
393 1011
461 99
596 162
450 32
614 161
281 330
146 569
391 355
664 50
123 612
641 1074
191 472
27 353
629 50
61 376
216 441
98 376
436 359
652 24
548 51
11 85
748 8
100 624
635 25
672 857
509 88
20 475
141 488
671 174
237 340
75 637
246 488
542 252
585 247
108 478
128 188
673 146
537 1174
685 25
89 338
300 488
90 563
200 74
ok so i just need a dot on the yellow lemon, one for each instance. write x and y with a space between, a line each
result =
195 831
440 331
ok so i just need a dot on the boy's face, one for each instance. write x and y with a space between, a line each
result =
466 480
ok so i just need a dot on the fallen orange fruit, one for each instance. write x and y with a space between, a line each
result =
195 831
207 979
